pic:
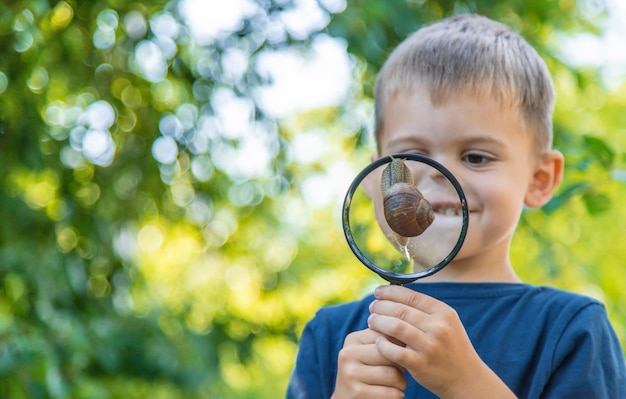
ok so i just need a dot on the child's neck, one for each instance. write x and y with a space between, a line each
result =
470 271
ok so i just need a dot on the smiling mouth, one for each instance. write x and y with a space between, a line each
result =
447 209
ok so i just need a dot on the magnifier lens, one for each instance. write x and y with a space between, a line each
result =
405 217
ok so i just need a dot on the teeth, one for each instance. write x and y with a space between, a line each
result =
448 211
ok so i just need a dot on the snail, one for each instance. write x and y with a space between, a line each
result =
406 210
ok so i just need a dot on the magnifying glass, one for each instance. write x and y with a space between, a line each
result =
419 220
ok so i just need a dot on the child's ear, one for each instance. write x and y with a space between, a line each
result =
546 178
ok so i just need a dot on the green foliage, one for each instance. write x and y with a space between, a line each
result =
180 257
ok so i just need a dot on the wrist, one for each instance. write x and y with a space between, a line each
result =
482 383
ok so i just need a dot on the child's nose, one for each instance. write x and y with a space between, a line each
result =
447 164
450 167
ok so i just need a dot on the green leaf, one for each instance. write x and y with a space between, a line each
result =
596 203
566 193
600 151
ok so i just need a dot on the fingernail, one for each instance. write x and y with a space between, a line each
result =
369 320
372 304
377 291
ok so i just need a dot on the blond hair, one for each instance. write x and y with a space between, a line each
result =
471 54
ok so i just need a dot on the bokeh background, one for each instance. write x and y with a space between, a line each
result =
171 175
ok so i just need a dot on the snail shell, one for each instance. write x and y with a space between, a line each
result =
406 210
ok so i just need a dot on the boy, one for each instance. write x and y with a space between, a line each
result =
473 95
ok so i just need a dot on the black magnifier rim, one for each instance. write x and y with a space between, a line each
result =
391 277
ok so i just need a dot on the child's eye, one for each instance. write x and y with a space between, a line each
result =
476 159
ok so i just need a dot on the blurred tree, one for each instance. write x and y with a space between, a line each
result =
159 237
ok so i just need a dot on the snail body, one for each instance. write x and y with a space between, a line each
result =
406 210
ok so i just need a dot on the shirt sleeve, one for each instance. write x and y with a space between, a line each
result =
310 377
588 360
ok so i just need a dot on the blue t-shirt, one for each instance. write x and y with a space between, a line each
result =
542 342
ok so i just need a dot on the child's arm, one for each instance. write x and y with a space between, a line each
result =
438 352
588 359
363 372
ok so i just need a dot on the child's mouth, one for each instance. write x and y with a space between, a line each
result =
447 209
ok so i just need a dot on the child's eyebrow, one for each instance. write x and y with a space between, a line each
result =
412 140
482 140
423 142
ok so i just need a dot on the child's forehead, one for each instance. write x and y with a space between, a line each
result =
413 115
423 101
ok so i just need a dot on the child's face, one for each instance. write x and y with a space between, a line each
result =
483 144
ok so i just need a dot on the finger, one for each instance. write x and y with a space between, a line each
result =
396 329
367 392
364 366
362 337
388 376
363 372
383 392
362 354
400 311
426 313
414 299
404 357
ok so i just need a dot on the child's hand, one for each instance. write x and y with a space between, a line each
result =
437 351
362 372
